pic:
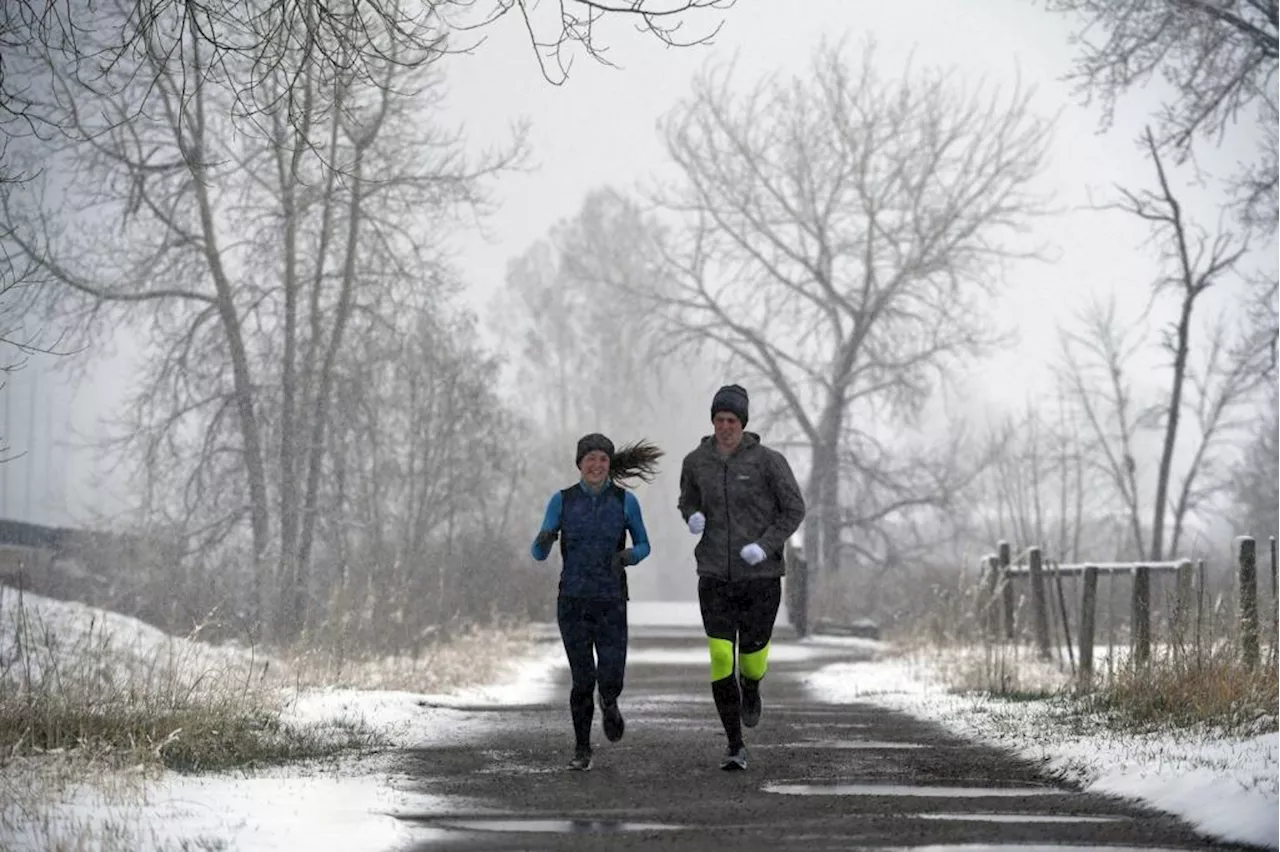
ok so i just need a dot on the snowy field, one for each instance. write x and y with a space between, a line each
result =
1226 787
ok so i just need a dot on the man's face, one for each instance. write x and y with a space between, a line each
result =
728 429
595 468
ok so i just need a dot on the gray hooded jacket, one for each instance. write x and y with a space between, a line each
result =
749 496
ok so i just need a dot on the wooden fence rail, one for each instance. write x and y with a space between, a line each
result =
996 598
999 582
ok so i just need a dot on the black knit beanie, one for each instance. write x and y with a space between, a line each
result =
731 398
594 441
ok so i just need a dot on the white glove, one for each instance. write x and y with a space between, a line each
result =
752 554
697 523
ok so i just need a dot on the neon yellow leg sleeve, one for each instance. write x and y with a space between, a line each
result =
755 664
721 658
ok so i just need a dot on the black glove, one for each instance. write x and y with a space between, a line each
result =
622 558
546 538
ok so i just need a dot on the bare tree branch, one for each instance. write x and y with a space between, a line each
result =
1220 58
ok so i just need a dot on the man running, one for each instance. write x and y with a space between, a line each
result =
742 499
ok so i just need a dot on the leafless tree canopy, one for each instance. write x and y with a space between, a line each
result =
572 302
1040 486
263 262
840 236
1216 368
568 23
862 218
247 43
1219 57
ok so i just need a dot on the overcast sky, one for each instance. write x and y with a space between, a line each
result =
600 128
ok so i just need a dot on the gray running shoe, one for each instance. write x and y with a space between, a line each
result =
734 760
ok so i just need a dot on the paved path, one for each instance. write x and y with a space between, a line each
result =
886 779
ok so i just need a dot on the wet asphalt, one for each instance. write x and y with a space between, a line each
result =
821 776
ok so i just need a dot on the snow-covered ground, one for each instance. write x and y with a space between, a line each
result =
1227 787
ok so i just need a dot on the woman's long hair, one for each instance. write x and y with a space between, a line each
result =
638 460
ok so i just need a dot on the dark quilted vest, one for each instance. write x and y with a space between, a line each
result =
593 527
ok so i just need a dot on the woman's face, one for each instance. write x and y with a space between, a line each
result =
595 468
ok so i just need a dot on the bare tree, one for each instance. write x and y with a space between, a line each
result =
579 22
548 319
245 44
1097 372
23 333
1232 367
839 236
250 253
606 255
1256 476
1222 393
576 312
412 539
1195 263
29 29
577 303
1219 57
24 25
1095 366
1035 491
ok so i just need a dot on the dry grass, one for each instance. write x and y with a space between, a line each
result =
1202 684
127 695
469 656
116 691
1219 691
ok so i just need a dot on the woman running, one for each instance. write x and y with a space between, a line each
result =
592 519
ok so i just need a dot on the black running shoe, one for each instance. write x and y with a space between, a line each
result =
734 760
750 703
581 759
614 724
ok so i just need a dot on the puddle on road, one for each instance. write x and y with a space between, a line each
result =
1020 818
936 791
843 744
555 826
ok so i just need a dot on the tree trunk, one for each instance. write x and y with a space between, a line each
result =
287 174
254 461
1171 428
324 393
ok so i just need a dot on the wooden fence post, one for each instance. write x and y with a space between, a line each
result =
1182 606
1088 614
1039 606
991 580
1249 601
1141 614
1200 579
1275 603
1004 552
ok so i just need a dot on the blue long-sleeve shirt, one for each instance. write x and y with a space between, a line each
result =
631 512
